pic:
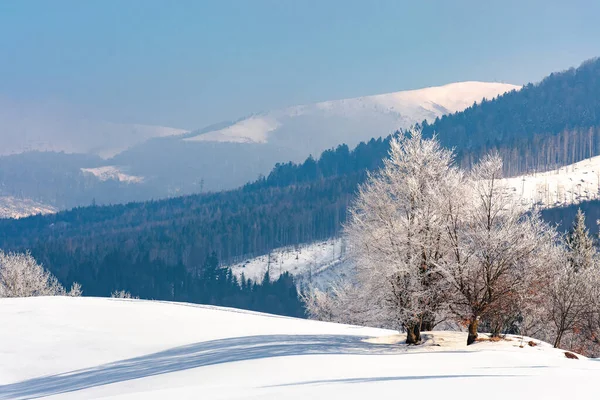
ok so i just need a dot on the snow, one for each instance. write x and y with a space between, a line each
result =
12 207
251 130
566 185
92 348
305 262
112 172
405 108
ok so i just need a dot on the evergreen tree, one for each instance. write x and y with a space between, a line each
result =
580 246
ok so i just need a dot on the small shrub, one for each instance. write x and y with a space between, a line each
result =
22 276
122 294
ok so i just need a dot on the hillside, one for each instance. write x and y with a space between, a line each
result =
566 185
542 126
383 113
92 348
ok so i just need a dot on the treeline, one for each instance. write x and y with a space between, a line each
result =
22 276
544 125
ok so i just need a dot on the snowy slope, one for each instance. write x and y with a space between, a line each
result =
12 207
112 172
90 348
306 262
566 185
399 109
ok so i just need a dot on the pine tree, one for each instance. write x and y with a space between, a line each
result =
580 245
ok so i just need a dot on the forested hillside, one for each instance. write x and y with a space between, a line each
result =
544 125
553 122
160 249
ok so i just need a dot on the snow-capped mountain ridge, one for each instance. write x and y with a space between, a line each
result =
404 107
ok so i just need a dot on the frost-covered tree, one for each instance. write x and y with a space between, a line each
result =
498 249
580 245
75 290
22 276
395 234
122 294
344 302
572 302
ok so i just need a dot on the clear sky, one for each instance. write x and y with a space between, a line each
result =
187 64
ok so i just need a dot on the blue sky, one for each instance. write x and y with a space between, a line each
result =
191 63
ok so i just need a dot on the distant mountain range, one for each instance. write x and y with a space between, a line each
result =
111 163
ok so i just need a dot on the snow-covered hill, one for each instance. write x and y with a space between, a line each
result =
566 185
12 207
386 112
91 348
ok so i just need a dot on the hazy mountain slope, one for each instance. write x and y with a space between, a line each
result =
94 348
55 127
384 112
293 133
168 162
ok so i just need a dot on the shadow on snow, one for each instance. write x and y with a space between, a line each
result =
194 356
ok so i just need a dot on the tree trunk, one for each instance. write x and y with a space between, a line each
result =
558 339
472 331
413 334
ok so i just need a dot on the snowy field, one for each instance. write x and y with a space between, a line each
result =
567 185
91 348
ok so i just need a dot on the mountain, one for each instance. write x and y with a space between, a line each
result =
165 162
54 127
99 348
227 155
326 124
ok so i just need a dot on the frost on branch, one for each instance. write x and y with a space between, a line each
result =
22 276
122 294
394 232
432 243
498 251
